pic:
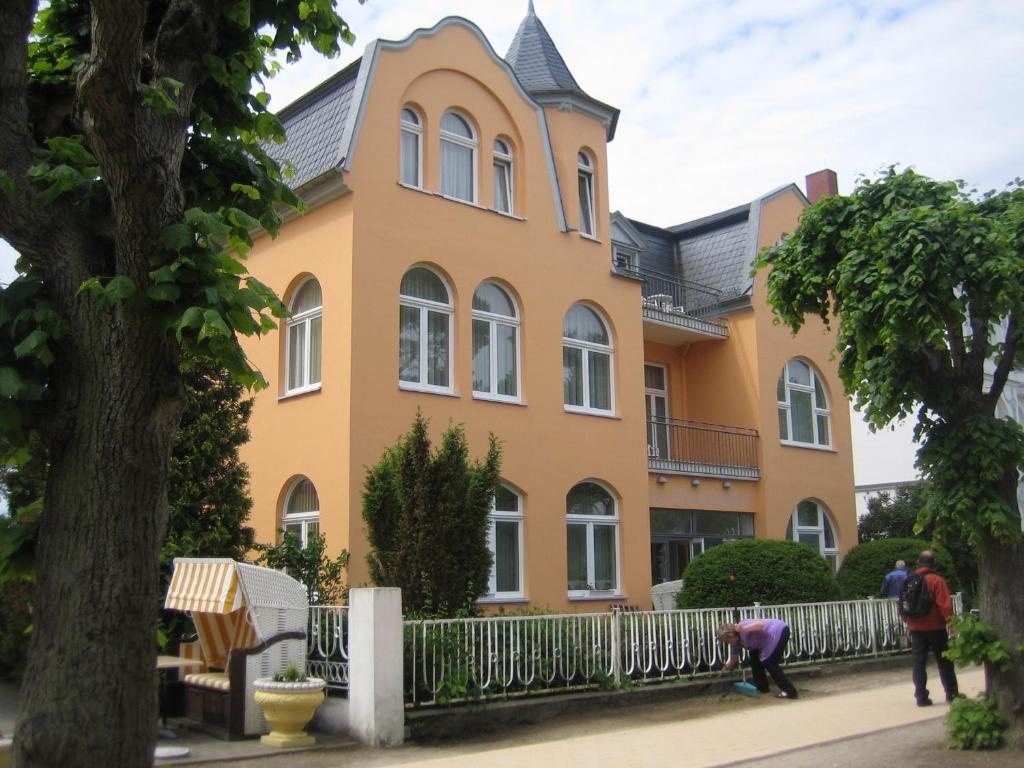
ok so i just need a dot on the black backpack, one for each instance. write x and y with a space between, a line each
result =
914 598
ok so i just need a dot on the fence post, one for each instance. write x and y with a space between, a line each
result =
376 709
873 625
616 647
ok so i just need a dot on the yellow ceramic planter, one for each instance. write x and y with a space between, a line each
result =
288 707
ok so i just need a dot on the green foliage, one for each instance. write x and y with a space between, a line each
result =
894 516
291 674
739 573
976 642
927 284
975 724
323 578
865 565
427 518
16 596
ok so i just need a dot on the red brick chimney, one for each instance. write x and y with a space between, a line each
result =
823 183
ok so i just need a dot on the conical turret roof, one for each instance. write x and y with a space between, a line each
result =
536 61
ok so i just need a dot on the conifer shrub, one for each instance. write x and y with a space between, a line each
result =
865 566
739 573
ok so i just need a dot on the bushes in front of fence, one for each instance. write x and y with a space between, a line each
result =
764 571
865 566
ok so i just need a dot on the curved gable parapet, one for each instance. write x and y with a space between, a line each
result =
364 84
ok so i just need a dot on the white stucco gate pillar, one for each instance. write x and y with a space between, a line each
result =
376 708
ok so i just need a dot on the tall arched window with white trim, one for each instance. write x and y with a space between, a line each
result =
412 148
301 514
304 338
458 158
495 344
425 332
587 362
592 540
502 176
812 525
585 177
505 540
804 417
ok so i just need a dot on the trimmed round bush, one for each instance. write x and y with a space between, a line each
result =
865 566
739 573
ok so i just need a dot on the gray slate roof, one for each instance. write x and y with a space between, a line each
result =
314 124
536 61
713 251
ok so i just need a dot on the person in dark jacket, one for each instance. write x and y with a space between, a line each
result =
929 633
894 579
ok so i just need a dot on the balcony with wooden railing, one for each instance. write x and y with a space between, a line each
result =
707 450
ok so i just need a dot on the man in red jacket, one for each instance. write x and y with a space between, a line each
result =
928 633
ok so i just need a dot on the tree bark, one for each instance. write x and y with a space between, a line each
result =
89 693
1002 606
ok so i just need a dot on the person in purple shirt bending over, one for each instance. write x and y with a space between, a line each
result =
766 641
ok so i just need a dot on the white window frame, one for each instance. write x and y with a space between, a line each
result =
424 306
302 519
303 319
462 141
591 521
585 172
505 516
831 554
651 394
417 131
505 160
817 410
589 346
494 320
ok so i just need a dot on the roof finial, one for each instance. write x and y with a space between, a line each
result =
529 9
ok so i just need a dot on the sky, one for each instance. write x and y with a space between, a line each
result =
724 100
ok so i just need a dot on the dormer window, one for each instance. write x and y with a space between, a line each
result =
412 148
585 168
502 177
458 158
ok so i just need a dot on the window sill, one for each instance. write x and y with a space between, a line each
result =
808 446
591 238
595 598
470 203
298 393
499 600
407 387
491 399
599 414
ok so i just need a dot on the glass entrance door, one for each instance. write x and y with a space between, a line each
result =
656 381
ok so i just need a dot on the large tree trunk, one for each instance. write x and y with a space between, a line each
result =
1001 593
89 693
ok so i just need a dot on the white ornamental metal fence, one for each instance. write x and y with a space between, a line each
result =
327 645
453 660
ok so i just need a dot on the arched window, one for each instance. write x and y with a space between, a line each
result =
803 408
458 158
585 167
412 148
587 362
495 343
505 540
592 518
502 177
302 511
304 338
425 338
810 525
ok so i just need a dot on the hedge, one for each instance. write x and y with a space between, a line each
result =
865 566
740 573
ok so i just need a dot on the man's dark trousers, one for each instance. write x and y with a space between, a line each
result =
936 641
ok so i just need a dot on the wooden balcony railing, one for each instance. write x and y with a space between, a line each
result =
693 448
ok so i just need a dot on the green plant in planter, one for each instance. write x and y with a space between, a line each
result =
291 674
975 724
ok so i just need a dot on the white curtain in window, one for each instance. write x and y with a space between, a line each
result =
507 376
296 355
481 356
409 344
410 158
600 381
437 349
583 324
604 557
315 343
456 170
586 184
572 375
502 186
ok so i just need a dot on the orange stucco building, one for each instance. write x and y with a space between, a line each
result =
458 256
